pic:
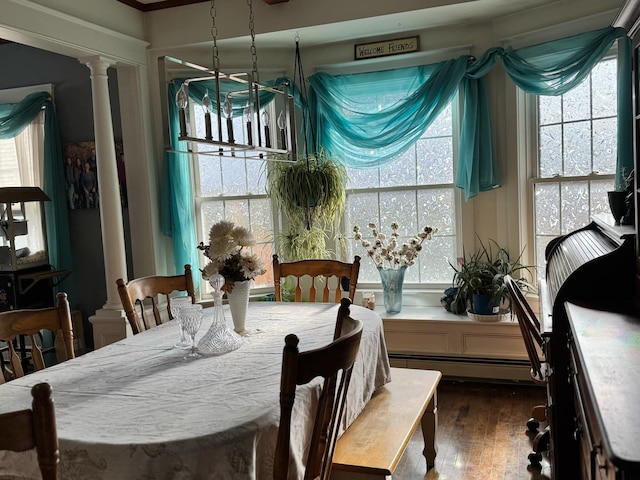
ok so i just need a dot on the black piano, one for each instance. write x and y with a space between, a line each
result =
593 268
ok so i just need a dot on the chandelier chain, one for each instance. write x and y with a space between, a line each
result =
214 35
254 53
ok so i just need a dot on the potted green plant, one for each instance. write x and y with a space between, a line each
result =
299 243
479 280
311 194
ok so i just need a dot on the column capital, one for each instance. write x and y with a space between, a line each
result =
98 63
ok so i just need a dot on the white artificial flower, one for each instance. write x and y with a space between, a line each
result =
227 257
386 251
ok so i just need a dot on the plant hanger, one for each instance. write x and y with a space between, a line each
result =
300 79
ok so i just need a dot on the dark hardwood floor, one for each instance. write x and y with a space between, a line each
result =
482 434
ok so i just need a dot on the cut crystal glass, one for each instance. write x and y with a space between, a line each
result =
219 339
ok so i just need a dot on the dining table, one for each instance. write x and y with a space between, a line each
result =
137 409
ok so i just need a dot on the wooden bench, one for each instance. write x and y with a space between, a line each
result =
374 443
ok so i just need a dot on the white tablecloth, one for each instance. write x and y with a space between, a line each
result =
137 410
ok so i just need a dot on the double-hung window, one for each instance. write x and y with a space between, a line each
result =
233 189
576 156
20 160
415 190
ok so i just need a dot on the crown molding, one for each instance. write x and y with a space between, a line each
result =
161 4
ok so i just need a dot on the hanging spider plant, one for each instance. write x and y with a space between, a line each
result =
310 192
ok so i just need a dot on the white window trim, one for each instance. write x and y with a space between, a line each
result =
527 129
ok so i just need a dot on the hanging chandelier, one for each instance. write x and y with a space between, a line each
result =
219 98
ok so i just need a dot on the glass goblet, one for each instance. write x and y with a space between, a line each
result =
175 304
191 316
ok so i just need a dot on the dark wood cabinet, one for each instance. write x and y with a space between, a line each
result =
605 382
634 32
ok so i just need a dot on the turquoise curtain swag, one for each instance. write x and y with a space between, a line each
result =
554 68
364 138
176 204
57 217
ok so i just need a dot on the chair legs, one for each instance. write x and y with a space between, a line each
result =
540 442
538 414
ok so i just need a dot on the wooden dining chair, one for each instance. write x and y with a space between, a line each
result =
532 336
142 292
335 275
334 363
24 430
30 323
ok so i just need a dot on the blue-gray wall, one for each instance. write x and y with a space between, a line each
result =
24 66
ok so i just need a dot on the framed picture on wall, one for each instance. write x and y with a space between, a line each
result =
81 175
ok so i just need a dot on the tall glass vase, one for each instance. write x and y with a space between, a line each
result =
392 280
238 304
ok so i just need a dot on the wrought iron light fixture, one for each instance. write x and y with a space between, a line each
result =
227 96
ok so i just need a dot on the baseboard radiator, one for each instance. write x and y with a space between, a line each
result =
466 367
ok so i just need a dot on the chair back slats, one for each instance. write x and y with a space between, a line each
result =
14 362
36 354
331 275
529 328
334 363
30 323
140 294
36 428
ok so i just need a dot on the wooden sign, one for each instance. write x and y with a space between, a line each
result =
387 47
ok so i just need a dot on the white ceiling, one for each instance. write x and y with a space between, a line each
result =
313 26
466 12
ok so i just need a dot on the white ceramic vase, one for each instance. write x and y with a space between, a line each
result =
238 303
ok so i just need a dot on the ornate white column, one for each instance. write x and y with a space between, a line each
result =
109 323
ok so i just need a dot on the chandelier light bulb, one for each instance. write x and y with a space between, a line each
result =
228 109
181 98
283 134
228 113
267 134
206 102
181 103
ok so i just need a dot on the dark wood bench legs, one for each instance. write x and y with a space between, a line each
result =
429 424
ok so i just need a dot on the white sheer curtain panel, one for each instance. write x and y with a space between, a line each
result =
30 159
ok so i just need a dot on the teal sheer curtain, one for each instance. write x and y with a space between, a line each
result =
12 122
350 124
176 201
362 138
176 208
554 68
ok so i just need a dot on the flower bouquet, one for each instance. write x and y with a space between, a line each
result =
387 252
392 259
228 255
